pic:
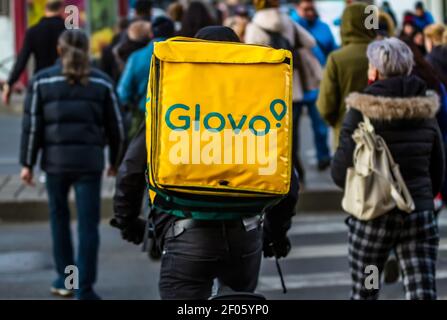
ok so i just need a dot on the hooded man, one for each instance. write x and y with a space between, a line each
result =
346 69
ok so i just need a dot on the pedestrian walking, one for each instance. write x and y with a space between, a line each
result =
270 27
437 51
71 112
132 87
210 240
403 113
125 42
143 10
107 62
307 16
238 21
346 69
386 7
422 17
387 28
432 78
40 43
138 35
175 11
408 25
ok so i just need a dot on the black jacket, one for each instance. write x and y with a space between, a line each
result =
438 60
71 123
404 115
131 188
41 42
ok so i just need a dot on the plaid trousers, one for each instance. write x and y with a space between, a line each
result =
413 237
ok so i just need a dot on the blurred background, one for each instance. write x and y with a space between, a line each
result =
317 267
100 17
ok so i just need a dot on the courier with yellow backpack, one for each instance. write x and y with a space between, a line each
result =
216 158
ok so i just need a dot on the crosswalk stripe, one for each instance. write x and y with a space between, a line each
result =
327 225
321 225
315 280
317 228
332 250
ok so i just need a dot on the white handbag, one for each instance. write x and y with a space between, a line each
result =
374 185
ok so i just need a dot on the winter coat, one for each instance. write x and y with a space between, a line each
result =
131 187
41 43
274 21
132 87
424 21
71 124
347 68
437 58
325 45
403 113
322 34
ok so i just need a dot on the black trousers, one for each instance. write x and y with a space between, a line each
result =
194 257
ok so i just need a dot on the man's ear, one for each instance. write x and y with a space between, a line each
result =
59 51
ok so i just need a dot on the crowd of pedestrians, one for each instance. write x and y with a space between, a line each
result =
394 76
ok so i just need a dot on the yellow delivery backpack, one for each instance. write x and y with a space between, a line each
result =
219 120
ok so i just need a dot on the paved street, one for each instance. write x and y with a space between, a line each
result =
10 126
315 269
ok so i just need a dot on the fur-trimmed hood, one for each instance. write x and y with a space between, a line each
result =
386 108
403 97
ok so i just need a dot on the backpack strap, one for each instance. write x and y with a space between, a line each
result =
399 189
297 44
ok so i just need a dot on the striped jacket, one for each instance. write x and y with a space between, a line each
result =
71 124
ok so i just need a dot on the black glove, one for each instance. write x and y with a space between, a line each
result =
278 248
132 231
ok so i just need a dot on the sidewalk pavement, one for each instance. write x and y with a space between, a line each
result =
24 204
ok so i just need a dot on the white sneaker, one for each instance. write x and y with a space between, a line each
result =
64 293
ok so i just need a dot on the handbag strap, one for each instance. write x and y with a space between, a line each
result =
399 190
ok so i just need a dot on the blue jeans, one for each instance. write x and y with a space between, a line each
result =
319 128
88 199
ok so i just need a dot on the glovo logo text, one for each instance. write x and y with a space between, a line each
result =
215 138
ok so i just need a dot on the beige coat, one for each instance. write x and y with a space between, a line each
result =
273 20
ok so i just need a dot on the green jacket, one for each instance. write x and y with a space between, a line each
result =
347 68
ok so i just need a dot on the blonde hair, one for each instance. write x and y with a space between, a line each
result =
444 38
74 48
175 11
435 33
